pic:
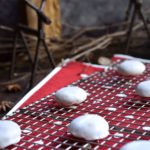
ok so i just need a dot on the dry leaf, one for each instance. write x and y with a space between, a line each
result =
14 88
5 105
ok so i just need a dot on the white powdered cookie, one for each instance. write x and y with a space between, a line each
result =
143 89
137 145
70 95
10 133
89 127
131 68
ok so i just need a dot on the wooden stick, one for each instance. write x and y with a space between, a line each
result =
90 44
90 29
6 28
102 45
111 35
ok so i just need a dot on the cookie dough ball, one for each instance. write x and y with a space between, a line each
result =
89 127
70 95
137 145
131 68
10 133
143 89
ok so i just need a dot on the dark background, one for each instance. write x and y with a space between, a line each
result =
75 12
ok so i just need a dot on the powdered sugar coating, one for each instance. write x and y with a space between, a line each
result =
137 145
10 133
70 95
89 127
143 89
131 67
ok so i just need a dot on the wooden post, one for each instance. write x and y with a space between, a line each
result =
52 11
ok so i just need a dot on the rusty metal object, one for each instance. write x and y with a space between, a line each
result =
137 10
39 33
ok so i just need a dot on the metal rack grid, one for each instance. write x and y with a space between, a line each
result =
44 123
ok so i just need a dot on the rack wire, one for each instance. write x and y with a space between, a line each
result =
44 123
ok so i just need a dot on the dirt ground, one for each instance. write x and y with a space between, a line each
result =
139 48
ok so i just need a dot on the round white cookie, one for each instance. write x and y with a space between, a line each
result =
131 68
70 95
143 89
10 133
89 127
137 145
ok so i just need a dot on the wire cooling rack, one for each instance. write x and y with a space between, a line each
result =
44 123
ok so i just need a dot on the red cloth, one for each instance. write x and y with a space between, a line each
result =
113 59
68 74
52 135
